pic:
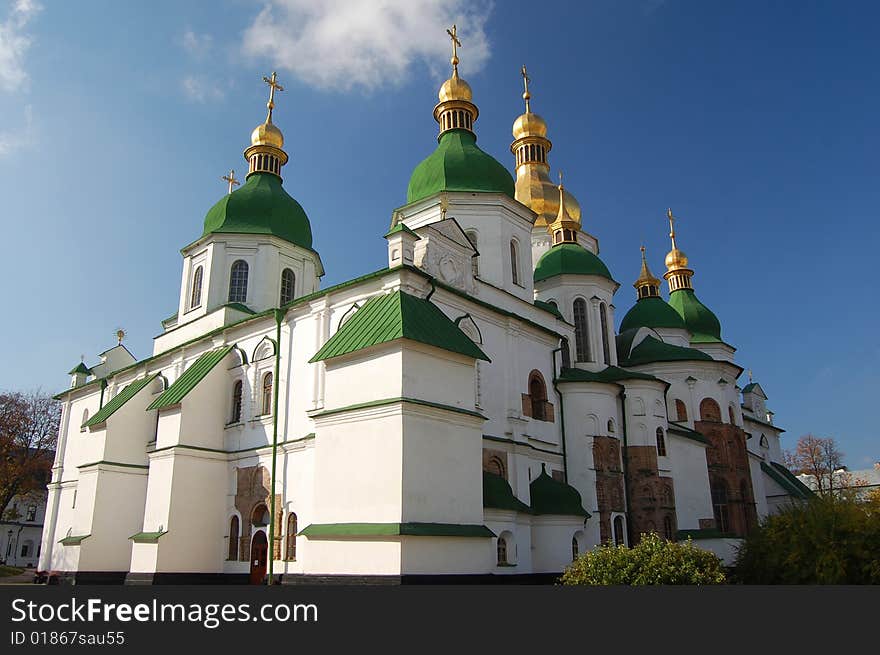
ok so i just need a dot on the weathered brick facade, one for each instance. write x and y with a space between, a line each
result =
651 496
252 493
609 482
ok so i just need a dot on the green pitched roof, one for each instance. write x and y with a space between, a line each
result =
260 206
653 350
458 165
400 227
119 400
699 319
550 496
190 378
569 259
684 431
395 316
787 480
497 494
609 374
550 307
652 312
80 368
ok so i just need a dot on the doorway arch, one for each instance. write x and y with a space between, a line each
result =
259 556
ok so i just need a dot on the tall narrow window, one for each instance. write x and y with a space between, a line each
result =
619 529
475 260
233 539
667 528
731 415
235 414
581 332
603 320
661 443
291 536
238 281
566 353
719 505
502 550
82 426
266 405
681 410
287 282
196 297
514 261
538 395
574 548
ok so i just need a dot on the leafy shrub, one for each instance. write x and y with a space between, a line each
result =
828 540
654 561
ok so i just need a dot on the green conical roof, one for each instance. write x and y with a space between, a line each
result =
699 319
569 259
261 206
550 496
652 312
80 368
458 165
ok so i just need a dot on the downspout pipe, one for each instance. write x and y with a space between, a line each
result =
561 413
279 315
625 467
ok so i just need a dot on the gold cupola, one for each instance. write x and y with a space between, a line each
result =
647 286
265 154
530 147
455 109
678 275
564 228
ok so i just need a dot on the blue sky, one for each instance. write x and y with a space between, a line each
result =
756 122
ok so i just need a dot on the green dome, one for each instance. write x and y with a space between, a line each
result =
497 494
550 496
260 206
699 319
569 259
458 165
652 312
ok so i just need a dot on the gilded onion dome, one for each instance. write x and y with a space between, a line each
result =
646 285
265 154
530 147
677 273
650 310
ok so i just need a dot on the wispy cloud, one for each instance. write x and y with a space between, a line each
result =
197 45
14 43
198 88
346 44
16 139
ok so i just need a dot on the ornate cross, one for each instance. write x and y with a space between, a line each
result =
671 225
453 34
273 86
526 95
231 179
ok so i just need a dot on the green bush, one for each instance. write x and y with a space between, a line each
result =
824 541
654 561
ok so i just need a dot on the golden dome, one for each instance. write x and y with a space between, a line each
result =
267 134
676 259
529 124
535 190
646 278
455 88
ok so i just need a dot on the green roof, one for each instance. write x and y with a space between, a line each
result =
653 350
396 529
240 307
119 400
787 480
395 316
699 319
73 540
80 368
550 496
190 378
458 165
550 307
260 206
569 259
611 374
497 494
147 537
400 227
652 312
686 432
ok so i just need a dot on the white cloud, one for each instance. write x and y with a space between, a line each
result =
13 140
199 89
343 44
197 45
14 44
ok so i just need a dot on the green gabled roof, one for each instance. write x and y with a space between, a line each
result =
653 350
795 488
609 374
119 400
400 227
569 259
410 529
80 368
791 477
240 307
260 206
652 312
497 494
684 431
550 307
458 165
395 316
190 378
550 496
704 326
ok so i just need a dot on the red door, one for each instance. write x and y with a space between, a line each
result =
259 553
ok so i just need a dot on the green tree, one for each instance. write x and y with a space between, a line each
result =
654 561
828 540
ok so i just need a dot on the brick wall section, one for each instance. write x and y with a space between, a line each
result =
609 482
652 496
252 489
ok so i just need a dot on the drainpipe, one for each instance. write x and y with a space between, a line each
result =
561 414
625 468
279 314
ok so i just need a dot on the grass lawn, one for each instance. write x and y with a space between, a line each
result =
6 571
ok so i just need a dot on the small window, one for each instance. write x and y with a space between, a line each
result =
681 410
574 548
291 536
565 352
238 281
719 504
611 426
502 550
233 539
235 414
710 411
82 426
661 443
764 442
496 466
667 528
196 296
287 282
475 260
538 395
266 404
619 531
514 261
31 513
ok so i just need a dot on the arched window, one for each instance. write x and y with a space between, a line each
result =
566 353
661 443
731 415
538 394
581 331
667 527
475 260
238 281
233 539
266 404
575 550
603 320
514 261
710 411
196 297
82 426
496 466
719 504
681 410
764 442
611 426
619 531
287 282
502 550
291 536
235 414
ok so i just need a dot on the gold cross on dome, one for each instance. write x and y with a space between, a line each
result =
231 179
273 86
671 225
453 34
526 95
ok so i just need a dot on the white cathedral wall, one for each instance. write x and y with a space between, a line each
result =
690 477
758 487
445 555
341 556
551 541
517 527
